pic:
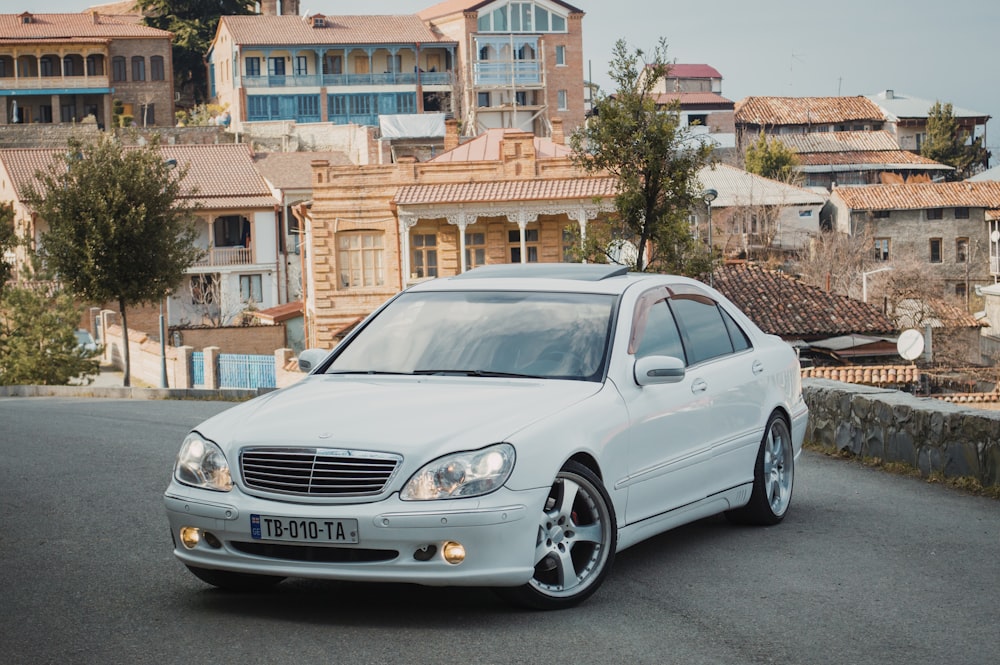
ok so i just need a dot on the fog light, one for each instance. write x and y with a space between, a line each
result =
453 552
190 536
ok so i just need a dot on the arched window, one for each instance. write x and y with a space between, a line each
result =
138 68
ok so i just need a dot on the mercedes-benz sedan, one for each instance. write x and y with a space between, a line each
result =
512 427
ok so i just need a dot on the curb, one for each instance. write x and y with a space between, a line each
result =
230 395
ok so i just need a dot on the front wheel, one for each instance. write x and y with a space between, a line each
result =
230 581
575 543
774 474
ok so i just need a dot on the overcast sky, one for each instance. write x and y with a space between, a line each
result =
931 49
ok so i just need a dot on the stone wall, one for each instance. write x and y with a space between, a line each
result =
928 434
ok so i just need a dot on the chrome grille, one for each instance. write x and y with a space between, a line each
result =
322 472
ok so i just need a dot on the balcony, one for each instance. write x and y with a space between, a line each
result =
507 73
227 256
55 82
344 80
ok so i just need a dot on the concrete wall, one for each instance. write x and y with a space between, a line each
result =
925 433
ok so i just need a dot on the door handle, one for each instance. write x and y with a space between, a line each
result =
699 386
757 367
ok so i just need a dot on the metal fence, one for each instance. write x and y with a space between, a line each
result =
198 369
243 371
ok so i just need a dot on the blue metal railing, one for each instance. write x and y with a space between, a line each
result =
244 371
198 369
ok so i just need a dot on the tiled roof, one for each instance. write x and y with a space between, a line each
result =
507 190
968 398
293 170
223 175
872 375
71 27
920 195
486 147
292 30
765 111
680 70
936 313
839 141
692 98
449 7
782 305
736 187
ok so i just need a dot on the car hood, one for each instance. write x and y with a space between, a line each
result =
423 415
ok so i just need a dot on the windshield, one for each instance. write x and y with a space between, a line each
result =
489 333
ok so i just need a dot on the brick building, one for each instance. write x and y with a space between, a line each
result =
505 197
63 68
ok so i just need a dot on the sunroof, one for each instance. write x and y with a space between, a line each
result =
587 272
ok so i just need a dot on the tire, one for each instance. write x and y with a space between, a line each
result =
773 478
575 546
230 581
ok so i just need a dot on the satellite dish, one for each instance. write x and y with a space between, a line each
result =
910 344
994 236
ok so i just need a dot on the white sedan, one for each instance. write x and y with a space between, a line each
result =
512 427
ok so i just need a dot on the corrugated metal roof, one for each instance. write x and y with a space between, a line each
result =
223 175
292 30
737 187
839 141
507 190
765 111
920 195
70 27
900 106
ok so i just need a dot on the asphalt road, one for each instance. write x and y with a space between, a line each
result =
866 568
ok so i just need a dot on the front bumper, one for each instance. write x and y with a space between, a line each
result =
498 532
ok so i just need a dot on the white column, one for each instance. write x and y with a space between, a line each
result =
406 222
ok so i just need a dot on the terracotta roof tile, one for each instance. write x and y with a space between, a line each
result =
681 70
765 111
72 27
486 148
507 190
784 306
902 158
293 170
692 98
872 375
920 195
284 30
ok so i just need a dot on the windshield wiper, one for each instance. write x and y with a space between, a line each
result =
473 372
365 372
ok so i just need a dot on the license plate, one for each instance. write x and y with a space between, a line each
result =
291 529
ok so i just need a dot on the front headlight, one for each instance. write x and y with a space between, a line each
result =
201 463
462 475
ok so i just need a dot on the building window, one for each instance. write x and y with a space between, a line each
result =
423 255
253 66
699 119
935 250
960 289
961 213
276 66
95 65
138 68
301 65
251 289
475 250
563 100
560 55
333 64
118 71
531 245
483 99
961 250
360 258
935 213
156 72
880 214
805 214
881 249
521 98
204 289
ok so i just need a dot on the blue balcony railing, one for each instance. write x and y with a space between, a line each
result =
507 72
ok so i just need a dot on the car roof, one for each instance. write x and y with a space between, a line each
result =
567 277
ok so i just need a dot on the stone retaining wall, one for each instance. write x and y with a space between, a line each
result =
928 434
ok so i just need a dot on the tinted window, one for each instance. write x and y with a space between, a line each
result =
736 335
660 337
704 332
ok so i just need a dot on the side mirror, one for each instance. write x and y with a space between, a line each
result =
653 370
311 358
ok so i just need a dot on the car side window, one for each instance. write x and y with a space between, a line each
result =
703 330
739 338
660 337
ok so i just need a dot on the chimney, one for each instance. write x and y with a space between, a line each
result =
450 134
95 17
557 131
290 7
889 94
269 7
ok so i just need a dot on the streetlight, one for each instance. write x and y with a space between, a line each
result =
708 196
864 281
